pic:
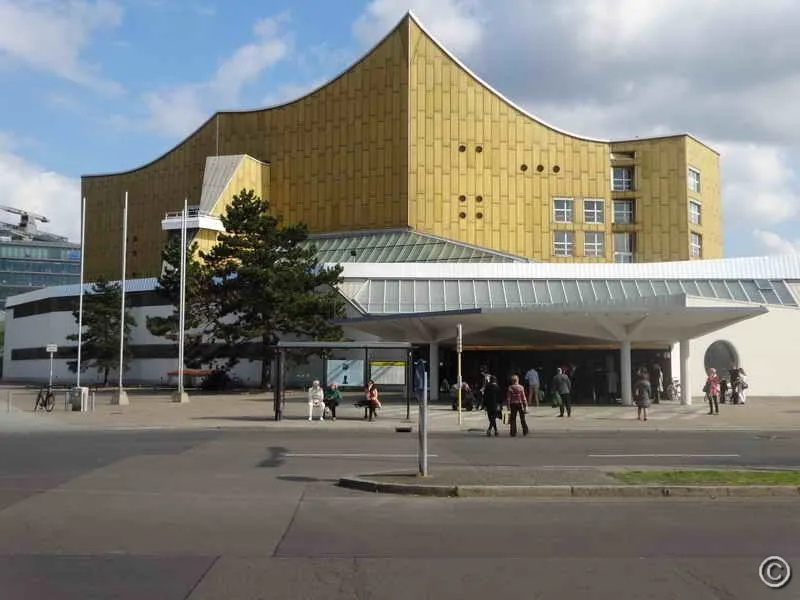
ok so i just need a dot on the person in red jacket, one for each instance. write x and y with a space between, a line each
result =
711 388
516 403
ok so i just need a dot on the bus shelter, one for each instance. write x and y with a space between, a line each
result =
325 349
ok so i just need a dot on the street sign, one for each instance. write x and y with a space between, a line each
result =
51 348
459 338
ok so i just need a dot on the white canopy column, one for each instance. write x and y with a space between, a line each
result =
686 380
625 375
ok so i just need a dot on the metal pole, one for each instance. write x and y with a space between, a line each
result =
122 283
182 301
80 295
8 401
50 384
423 426
409 384
459 343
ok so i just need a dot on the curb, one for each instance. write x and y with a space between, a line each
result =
571 491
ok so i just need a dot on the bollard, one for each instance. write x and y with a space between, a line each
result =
93 394
8 401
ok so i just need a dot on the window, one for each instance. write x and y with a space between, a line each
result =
594 243
696 245
623 211
622 179
593 211
623 247
563 243
562 210
694 180
695 213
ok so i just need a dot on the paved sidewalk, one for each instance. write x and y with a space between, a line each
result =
255 410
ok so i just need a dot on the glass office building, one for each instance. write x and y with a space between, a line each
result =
36 261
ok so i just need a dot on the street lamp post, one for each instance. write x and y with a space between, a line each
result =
181 396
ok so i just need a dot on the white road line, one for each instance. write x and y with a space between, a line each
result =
664 455
347 455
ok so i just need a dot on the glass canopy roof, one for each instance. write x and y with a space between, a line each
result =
399 296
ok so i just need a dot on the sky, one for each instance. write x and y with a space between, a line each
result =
96 86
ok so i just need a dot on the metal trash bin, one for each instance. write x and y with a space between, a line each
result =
79 399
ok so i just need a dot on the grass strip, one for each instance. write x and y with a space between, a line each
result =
721 477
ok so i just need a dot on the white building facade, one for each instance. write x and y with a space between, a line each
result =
742 313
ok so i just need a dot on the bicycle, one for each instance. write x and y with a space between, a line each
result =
45 400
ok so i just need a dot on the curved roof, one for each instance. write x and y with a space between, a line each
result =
409 16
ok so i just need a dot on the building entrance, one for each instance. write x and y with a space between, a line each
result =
595 372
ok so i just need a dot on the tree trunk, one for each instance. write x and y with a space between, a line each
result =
105 377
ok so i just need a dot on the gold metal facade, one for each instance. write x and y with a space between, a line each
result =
408 138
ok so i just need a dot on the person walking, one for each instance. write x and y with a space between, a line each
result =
493 404
641 394
711 389
532 379
333 397
516 402
373 400
563 386
316 396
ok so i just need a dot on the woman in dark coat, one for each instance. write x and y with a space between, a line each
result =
641 394
493 403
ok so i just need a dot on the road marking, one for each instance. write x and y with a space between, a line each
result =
664 455
348 455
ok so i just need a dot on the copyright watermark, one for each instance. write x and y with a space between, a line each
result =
775 572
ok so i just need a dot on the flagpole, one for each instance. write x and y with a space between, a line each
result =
122 397
80 295
181 396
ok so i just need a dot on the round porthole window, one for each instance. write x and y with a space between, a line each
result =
523 168
462 215
462 148
478 198
540 168
478 149
556 169
462 198
479 215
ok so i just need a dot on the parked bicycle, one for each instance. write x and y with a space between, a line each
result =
45 400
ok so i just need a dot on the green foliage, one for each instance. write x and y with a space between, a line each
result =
101 322
265 284
196 319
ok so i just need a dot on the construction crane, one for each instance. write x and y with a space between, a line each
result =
27 219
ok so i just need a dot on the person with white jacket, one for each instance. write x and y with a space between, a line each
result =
316 397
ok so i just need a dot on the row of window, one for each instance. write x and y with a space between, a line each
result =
38 252
39 266
594 245
38 279
622 179
594 211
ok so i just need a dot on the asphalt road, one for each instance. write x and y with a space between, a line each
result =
175 515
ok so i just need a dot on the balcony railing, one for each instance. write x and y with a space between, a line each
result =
195 219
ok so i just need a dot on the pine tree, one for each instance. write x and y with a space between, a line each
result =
265 283
196 319
101 322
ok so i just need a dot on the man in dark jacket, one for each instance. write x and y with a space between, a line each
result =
493 403
563 386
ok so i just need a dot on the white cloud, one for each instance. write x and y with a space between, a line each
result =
52 35
40 190
759 187
179 110
456 23
776 244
